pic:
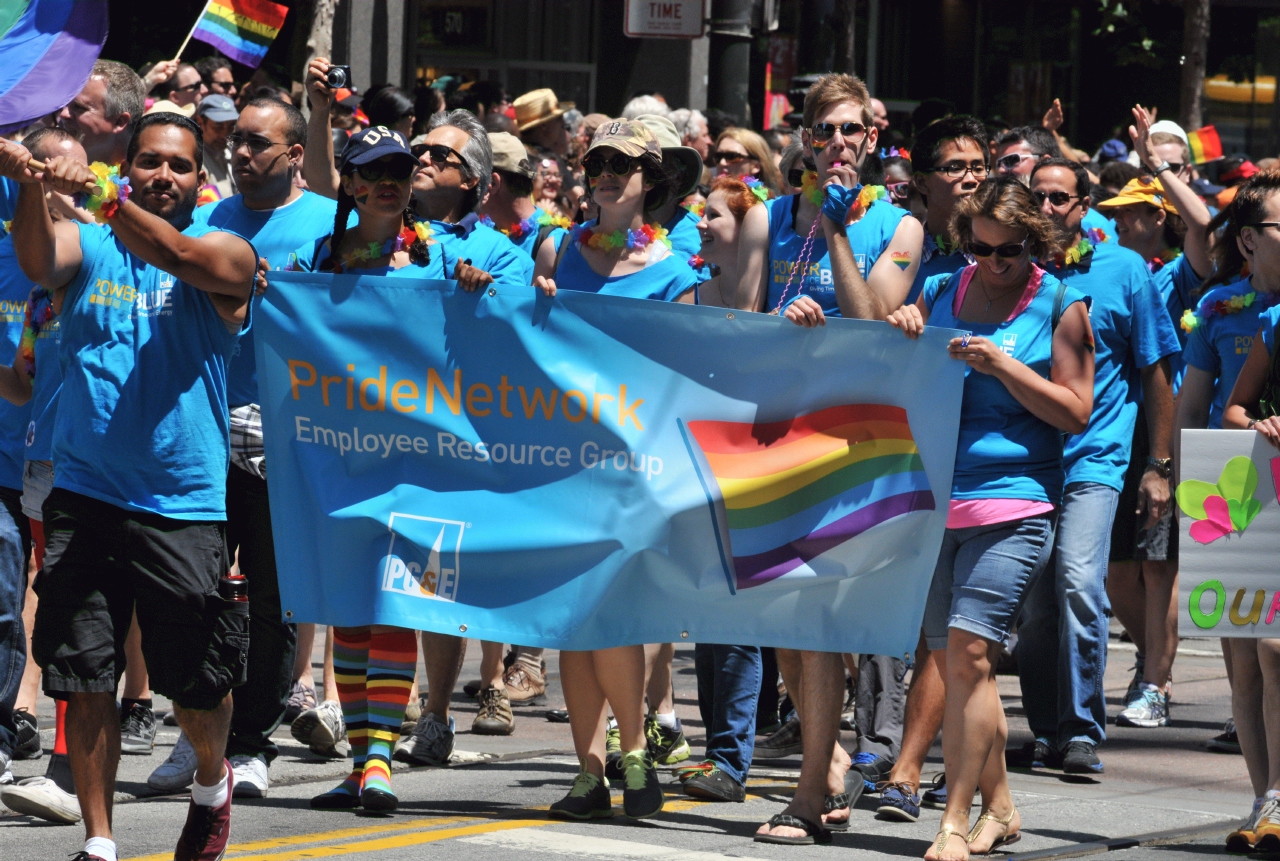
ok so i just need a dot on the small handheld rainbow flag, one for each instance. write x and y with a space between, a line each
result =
795 489
1205 144
241 29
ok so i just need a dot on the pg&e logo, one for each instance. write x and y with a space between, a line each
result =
423 558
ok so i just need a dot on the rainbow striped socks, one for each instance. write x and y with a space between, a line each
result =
393 657
350 660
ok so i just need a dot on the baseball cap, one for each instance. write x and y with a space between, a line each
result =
628 137
1113 150
1170 127
686 160
509 154
1144 189
1204 188
372 144
217 108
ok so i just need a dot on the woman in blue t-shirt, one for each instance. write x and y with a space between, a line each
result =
1229 357
1029 351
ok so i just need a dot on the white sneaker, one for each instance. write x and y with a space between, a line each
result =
6 769
178 771
250 778
42 798
321 728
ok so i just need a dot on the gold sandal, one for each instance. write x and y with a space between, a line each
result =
945 833
1004 840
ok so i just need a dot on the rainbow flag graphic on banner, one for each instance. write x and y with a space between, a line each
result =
241 29
795 489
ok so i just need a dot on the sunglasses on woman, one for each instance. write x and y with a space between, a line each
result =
618 165
396 171
1008 252
727 157
898 190
822 133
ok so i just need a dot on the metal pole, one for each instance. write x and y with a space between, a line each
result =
729 67
873 43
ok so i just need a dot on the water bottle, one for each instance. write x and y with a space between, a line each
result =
234 588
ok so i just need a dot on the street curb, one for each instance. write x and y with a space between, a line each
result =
1157 838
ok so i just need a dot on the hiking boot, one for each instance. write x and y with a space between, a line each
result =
494 717
1081 757
431 742
204 837
641 792
783 743
588 799
321 728
711 783
28 744
666 746
612 752
1226 741
178 770
301 699
137 730
526 683
1148 710
42 798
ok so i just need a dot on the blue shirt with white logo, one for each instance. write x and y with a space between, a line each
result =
142 418
275 234
14 290
1220 343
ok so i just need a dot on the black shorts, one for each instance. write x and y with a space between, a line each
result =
101 562
1131 541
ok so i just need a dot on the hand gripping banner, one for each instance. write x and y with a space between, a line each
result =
591 471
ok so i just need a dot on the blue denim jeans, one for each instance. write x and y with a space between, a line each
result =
728 691
1062 638
15 548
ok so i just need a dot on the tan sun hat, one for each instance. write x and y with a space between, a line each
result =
628 137
538 106
509 154
164 105
685 159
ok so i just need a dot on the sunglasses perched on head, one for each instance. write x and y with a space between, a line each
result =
1008 252
1057 198
397 170
617 163
822 133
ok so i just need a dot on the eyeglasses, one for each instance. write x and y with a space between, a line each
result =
727 157
957 169
1008 252
899 190
256 143
1057 198
439 154
822 133
1264 224
618 164
398 170
1011 161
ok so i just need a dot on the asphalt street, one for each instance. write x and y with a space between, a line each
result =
1163 797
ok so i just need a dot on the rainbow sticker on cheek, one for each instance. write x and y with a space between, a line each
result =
361 194
901 259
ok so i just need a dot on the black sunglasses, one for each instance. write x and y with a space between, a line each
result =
187 88
1057 198
1008 252
727 157
618 164
852 132
397 170
438 153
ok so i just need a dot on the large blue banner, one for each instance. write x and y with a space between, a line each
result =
592 471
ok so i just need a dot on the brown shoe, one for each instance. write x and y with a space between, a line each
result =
494 717
526 684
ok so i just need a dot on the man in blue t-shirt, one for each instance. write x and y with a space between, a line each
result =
271 212
1062 643
510 210
135 518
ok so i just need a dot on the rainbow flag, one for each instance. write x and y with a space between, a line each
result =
794 489
241 29
1205 144
47 49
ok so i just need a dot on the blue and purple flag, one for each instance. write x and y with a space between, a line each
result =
47 50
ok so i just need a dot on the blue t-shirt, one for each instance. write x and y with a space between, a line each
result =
1176 281
309 257
1095 220
47 385
275 233
1268 320
1131 330
486 248
868 237
142 418
682 231
14 290
1220 343
934 262
666 278
1004 450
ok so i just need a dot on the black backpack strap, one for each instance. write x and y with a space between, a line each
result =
564 246
1058 298
543 232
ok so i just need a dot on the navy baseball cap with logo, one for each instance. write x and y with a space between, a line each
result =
372 144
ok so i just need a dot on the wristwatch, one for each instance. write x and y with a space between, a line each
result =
1162 166
1162 465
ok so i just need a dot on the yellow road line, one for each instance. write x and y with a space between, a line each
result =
398 842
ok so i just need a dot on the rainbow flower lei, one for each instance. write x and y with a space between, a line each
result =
112 192
39 314
399 242
1192 320
1155 264
697 207
1082 249
815 194
529 225
642 238
758 188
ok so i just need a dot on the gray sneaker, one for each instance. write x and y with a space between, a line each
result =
137 730
1147 710
430 744
321 728
178 771
783 743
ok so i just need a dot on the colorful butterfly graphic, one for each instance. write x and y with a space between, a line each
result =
1222 508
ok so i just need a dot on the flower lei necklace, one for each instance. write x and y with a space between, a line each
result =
697 207
629 239
1082 249
374 250
112 192
1192 320
39 314
1163 259
758 188
815 194
529 225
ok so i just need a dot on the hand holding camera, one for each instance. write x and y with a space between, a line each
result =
323 79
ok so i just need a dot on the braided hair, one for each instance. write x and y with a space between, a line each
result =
419 251
346 203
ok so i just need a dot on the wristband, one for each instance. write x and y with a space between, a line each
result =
838 200
112 192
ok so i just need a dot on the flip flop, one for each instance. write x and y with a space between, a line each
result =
831 804
813 832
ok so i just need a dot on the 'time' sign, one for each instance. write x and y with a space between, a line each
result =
670 19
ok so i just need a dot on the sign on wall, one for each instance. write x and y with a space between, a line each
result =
663 19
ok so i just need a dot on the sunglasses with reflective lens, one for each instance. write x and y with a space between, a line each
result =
957 169
1057 198
397 171
1008 252
1012 160
853 133
899 190
727 157
618 165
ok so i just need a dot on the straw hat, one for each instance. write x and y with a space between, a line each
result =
166 106
537 107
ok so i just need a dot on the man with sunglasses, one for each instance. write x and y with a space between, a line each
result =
1062 643
186 87
266 148
1020 149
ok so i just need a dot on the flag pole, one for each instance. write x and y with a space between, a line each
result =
199 18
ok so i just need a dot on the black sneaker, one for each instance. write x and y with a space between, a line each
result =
589 799
666 746
28 731
707 781
137 730
1226 741
1081 757
641 792
1033 754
